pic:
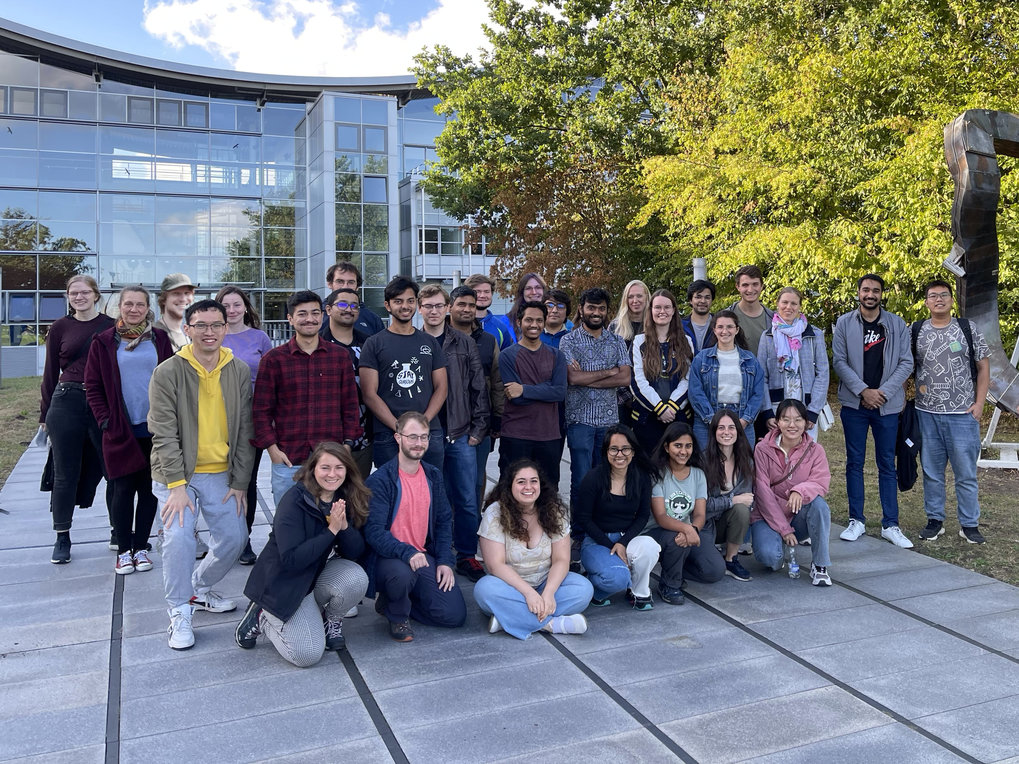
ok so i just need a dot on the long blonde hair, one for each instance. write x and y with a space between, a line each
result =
621 323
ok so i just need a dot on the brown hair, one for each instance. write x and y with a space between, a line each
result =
352 489
479 278
680 354
551 512
88 281
251 317
430 290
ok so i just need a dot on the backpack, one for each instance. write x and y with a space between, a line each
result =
967 332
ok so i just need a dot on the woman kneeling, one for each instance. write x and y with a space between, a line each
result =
295 579
792 481
525 545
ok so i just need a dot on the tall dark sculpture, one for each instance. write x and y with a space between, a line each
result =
972 142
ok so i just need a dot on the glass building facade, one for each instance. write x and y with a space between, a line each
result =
128 169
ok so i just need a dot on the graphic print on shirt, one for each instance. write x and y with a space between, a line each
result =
871 339
405 378
679 505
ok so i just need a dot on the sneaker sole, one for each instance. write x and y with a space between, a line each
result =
821 582
738 578
968 540
143 568
60 562
124 571
940 532
908 545
208 609
182 647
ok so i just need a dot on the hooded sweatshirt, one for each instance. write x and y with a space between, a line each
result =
810 478
213 432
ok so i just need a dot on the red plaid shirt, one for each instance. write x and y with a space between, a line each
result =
302 399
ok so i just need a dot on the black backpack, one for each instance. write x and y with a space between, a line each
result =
967 332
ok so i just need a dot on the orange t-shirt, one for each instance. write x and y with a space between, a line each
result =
411 522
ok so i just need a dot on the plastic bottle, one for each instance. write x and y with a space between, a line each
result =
794 567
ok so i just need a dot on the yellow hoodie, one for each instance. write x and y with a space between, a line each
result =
213 433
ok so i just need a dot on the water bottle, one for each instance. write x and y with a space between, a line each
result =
794 567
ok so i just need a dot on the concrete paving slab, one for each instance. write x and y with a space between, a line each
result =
16 637
918 581
210 639
773 725
997 630
53 693
65 661
366 750
523 730
92 754
636 747
943 686
782 600
985 731
805 631
963 603
892 742
32 734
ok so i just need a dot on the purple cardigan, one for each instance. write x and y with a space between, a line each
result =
121 452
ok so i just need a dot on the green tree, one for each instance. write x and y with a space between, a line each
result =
815 150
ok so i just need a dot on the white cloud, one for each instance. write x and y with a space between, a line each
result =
312 37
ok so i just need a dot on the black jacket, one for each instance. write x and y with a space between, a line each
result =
299 545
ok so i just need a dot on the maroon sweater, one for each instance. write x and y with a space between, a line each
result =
64 341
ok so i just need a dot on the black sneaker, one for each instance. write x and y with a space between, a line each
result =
643 603
471 568
575 555
401 631
62 549
334 634
735 569
603 602
672 596
248 630
972 535
933 529
247 556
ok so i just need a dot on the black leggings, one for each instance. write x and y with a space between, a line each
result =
71 428
133 526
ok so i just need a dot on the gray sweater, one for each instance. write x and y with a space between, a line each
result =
847 358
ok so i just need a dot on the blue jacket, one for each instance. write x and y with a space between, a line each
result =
704 385
709 335
499 328
813 372
384 484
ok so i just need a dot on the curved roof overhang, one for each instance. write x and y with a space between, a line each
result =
127 67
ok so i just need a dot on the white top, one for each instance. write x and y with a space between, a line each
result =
730 379
532 565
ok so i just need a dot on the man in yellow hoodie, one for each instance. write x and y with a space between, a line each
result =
200 420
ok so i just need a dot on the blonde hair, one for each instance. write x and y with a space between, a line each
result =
621 323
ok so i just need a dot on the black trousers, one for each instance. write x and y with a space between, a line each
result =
547 453
133 526
71 428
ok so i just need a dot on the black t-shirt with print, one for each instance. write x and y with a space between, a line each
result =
873 353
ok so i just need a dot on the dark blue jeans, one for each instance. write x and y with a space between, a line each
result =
855 423
385 448
460 473
585 451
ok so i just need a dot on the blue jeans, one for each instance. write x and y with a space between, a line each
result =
282 478
813 519
481 456
385 448
951 438
495 597
609 574
854 424
460 472
585 451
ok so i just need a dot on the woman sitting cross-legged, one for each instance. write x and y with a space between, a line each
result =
792 481
677 508
729 469
613 508
525 545
297 576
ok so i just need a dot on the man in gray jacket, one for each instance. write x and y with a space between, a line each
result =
871 354
200 420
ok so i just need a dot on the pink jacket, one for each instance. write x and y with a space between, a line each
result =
810 479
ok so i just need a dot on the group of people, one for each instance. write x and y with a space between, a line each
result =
690 439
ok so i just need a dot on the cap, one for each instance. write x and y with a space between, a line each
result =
176 281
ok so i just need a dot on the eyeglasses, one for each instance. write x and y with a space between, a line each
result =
939 296
88 293
414 438
555 305
617 450
347 305
788 420
201 328
433 306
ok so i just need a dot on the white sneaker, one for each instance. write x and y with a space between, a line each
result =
745 548
819 576
352 613
213 602
853 531
568 624
897 537
494 626
181 635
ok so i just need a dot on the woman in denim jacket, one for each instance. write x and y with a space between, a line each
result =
725 376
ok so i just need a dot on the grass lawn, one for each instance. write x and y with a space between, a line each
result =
19 419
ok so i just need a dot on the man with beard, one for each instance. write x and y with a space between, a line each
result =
306 393
403 369
345 275
597 362
700 294
871 354
409 530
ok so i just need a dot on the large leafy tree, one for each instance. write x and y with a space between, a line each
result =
543 157
815 150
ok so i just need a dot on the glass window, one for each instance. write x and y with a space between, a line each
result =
376 227
182 240
19 234
131 141
279 273
139 111
19 271
375 190
415 131
128 208
235 213
19 70
223 116
248 119
25 202
348 227
23 101
234 148
112 108
235 241
54 270
374 112
281 121
375 139
52 306
413 159
3 100
54 136
278 150
185 144
53 103
376 164
67 170
234 270
279 241
21 307
347 109
376 270
65 79
422 108
450 241
280 214
127 239
347 138
168 112
428 241
81 105
19 134
56 205
196 114
67 236
348 187
130 270
112 86
348 163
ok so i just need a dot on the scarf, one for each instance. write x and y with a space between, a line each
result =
136 333
788 342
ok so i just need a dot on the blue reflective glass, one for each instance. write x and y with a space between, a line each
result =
18 168
59 205
27 202
54 270
347 109
137 141
67 236
126 239
374 112
128 208
19 134
348 138
66 137
375 139
189 210
375 190
81 105
281 121
185 144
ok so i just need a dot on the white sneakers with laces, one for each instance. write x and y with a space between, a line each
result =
181 635
853 531
896 536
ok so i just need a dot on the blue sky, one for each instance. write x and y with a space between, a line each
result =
310 37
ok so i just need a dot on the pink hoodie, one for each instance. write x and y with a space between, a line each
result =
810 479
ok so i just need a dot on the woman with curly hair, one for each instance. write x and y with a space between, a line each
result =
525 546
308 565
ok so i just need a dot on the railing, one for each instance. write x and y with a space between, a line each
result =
278 331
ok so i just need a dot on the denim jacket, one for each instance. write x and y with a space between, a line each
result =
704 385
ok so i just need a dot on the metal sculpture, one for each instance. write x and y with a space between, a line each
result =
972 142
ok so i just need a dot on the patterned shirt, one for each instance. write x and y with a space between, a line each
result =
593 406
303 398
944 384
